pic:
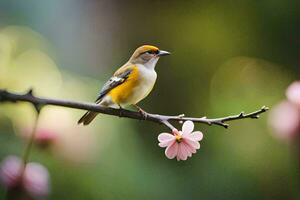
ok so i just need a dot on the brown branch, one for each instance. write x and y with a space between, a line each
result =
38 102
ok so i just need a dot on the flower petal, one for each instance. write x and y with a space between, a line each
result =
179 154
196 136
190 149
165 137
36 180
184 151
192 143
187 127
10 171
172 150
166 143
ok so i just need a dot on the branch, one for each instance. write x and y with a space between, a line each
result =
38 102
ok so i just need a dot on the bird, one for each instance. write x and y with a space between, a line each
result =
131 83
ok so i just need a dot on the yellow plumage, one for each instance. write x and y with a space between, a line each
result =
122 93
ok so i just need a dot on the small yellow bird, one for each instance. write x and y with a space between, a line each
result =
131 83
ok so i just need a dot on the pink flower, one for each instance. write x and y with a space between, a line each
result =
10 171
181 144
293 93
285 120
55 133
34 181
45 137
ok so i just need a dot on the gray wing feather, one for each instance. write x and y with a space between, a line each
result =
112 83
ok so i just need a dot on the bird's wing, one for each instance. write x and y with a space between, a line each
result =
118 78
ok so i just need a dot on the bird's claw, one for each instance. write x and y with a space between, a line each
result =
121 111
144 113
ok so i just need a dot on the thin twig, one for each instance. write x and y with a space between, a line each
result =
161 119
29 145
30 142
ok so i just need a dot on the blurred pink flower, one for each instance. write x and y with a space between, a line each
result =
285 120
34 181
57 132
181 144
45 137
293 93
10 171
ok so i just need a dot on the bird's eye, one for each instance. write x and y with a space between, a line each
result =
152 52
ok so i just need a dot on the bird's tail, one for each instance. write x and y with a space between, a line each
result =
87 118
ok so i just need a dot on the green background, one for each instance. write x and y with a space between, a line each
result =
227 56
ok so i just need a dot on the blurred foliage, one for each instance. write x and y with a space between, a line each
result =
227 56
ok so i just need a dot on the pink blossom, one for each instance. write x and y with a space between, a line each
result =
181 144
10 171
285 120
55 133
293 93
34 181
45 137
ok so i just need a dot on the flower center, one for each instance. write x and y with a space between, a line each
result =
178 138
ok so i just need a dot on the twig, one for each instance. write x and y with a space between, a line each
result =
38 102
29 145
30 142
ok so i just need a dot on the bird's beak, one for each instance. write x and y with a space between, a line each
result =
163 53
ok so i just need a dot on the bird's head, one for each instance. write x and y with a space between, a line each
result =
147 55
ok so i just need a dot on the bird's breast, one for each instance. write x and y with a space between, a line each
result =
136 87
147 80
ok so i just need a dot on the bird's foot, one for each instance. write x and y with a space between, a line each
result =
121 111
142 112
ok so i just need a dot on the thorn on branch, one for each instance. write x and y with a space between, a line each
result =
37 106
242 114
225 125
221 123
30 92
264 108
181 115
